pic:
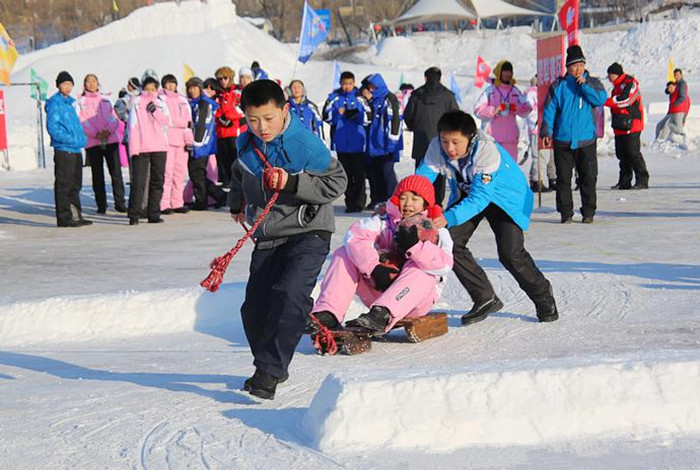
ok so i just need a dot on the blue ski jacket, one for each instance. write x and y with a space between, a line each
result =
204 122
348 133
63 124
384 133
487 174
569 115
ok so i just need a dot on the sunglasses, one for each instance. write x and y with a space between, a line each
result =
222 78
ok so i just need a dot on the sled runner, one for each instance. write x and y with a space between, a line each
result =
353 341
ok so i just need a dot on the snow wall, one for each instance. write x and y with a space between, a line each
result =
535 404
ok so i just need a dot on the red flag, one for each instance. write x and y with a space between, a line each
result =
482 72
568 20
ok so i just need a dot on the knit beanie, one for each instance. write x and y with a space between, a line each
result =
149 76
423 188
134 82
245 71
574 55
64 77
616 69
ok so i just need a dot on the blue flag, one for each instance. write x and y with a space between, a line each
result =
313 33
336 75
454 88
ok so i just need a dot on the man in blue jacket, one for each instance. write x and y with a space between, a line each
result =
204 129
485 183
68 141
348 114
384 138
569 121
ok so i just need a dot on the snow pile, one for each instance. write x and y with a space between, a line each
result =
532 405
111 316
165 37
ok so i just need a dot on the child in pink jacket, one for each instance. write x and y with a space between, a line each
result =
179 138
498 106
391 294
100 125
148 145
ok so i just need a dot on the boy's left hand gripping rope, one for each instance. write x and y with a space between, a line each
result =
218 265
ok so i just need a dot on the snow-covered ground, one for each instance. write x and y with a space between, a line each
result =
111 356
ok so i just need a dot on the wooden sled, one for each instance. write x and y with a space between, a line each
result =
353 341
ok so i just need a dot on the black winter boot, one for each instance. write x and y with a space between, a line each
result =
481 310
261 385
376 319
547 310
246 384
326 318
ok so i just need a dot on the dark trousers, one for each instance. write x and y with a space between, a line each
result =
139 170
585 161
110 154
278 298
354 166
628 152
68 174
382 178
438 185
202 186
225 156
511 253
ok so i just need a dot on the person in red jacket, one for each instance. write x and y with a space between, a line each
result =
627 111
230 123
678 107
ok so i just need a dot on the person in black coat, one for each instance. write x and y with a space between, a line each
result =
423 111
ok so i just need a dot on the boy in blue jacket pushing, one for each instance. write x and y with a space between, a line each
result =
485 183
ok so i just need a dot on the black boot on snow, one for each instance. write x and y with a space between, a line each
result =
547 310
481 310
262 385
248 381
376 319
325 317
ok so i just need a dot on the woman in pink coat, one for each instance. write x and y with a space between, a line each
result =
179 137
148 146
498 106
100 125
406 290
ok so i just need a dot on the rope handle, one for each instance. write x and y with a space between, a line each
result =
324 342
220 264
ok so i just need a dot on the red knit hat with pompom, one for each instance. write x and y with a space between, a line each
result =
422 187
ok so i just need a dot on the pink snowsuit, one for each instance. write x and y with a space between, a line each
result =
497 107
148 132
97 115
179 135
414 291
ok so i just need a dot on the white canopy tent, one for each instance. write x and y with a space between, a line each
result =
453 10
426 11
499 9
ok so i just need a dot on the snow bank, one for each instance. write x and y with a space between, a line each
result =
527 406
123 315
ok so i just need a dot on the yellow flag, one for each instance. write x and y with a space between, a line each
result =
669 75
115 6
188 72
8 55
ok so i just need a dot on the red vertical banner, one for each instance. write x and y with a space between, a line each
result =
568 20
482 72
3 128
550 66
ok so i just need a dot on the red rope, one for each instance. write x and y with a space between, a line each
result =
219 265
324 342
